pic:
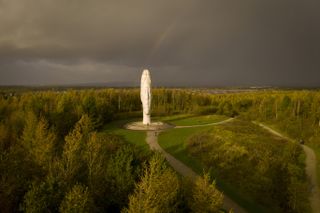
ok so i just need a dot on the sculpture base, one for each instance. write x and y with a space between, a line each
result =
154 126
146 120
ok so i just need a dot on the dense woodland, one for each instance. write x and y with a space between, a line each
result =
53 158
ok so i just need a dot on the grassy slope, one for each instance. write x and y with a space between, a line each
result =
173 141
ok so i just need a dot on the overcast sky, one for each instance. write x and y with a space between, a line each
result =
182 42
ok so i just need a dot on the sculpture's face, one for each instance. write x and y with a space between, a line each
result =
145 78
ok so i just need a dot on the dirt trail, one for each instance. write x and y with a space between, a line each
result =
311 171
200 125
152 140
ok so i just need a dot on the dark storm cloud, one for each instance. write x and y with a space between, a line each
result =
183 42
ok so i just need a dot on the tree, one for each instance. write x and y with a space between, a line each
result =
89 105
74 148
42 144
94 159
17 171
205 196
120 176
43 197
77 200
4 143
152 193
38 140
28 133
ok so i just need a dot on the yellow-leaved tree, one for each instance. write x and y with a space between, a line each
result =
205 197
157 191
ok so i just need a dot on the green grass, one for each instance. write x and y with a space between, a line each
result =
172 117
137 138
188 120
173 141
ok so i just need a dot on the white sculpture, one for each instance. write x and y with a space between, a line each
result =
145 95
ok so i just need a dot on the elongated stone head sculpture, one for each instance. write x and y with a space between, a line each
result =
145 94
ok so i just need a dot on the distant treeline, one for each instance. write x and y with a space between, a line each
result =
296 112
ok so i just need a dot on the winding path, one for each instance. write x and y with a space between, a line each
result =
311 170
203 125
152 140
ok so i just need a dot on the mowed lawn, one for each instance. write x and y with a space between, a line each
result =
138 137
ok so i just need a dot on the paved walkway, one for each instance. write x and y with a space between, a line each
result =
311 170
152 140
